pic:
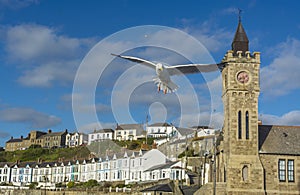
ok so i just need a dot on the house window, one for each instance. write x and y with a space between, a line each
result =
290 168
240 125
247 125
281 169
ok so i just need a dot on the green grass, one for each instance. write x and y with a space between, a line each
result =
33 154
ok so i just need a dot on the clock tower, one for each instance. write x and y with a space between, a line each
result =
242 170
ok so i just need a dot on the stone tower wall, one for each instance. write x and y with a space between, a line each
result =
242 170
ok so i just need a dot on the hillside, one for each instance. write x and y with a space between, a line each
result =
98 148
33 154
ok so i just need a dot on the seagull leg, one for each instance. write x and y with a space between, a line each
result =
158 89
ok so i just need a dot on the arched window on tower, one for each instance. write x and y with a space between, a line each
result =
224 174
247 125
245 173
240 125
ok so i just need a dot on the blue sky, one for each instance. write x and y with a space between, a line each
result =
43 45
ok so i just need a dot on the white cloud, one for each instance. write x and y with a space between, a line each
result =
34 118
87 128
43 54
210 35
67 104
157 113
60 72
283 71
290 118
212 119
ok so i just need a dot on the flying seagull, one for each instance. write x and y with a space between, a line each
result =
163 72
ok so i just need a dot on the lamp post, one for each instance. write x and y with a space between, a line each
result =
214 168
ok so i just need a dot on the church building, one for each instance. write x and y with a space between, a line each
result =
251 158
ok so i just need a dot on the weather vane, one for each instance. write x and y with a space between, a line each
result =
240 14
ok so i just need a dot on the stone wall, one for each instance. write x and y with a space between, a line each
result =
272 183
208 189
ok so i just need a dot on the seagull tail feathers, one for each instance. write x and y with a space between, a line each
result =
165 87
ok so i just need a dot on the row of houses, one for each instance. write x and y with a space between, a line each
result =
161 131
127 167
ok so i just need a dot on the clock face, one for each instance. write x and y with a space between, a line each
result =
243 77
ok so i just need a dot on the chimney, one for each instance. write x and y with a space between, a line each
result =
21 136
154 145
11 137
49 131
90 156
39 160
75 158
144 146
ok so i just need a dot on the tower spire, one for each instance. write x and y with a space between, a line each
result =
240 41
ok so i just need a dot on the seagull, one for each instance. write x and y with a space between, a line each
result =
163 72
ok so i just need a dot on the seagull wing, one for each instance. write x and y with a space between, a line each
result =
137 60
192 68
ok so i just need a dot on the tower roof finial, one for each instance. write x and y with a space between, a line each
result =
240 14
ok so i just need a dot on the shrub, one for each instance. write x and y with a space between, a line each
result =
60 185
71 184
33 185
91 183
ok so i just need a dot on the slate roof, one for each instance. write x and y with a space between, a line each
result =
14 140
120 155
180 141
279 139
52 134
190 189
2 164
138 127
159 188
162 166
104 131
201 127
240 41
159 125
185 131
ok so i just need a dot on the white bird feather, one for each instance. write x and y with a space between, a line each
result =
163 72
